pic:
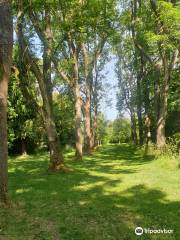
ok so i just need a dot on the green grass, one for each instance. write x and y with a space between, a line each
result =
105 198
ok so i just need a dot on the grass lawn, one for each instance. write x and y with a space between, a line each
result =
105 198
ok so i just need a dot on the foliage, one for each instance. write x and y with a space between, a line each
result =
174 144
64 117
102 128
121 132
146 54
23 120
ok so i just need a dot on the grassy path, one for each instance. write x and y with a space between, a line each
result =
105 198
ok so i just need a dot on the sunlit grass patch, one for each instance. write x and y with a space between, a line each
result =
106 197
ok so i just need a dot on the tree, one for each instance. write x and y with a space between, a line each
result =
159 44
150 32
64 117
99 89
23 120
99 29
101 129
85 27
44 82
121 132
6 43
126 96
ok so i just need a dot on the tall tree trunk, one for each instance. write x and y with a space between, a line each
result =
160 132
160 97
77 99
56 158
157 97
87 106
92 131
139 109
134 8
78 130
147 122
133 127
95 103
95 126
47 56
6 43
87 115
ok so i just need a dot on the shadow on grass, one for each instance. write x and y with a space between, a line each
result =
125 152
113 158
78 205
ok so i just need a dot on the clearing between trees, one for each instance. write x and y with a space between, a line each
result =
106 197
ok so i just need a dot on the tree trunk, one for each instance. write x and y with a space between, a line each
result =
160 132
78 130
87 107
47 57
95 126
157 98
139 67
92 131
147 122
78 101
23 147
133 127
139 110
92 139
56 158
95 103
6 43
87 115
147 129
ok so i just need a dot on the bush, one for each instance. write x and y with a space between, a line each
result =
173 144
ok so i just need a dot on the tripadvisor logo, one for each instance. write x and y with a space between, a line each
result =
139 231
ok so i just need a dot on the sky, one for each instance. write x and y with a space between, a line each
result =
108 106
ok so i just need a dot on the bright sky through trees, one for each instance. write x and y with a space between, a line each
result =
109 101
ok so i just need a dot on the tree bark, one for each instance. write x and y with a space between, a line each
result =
56 158
6 43
95 126
23 147
147 122
78 130
139 109
88 68
133 127
77 98
47 56
160 132
87 115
